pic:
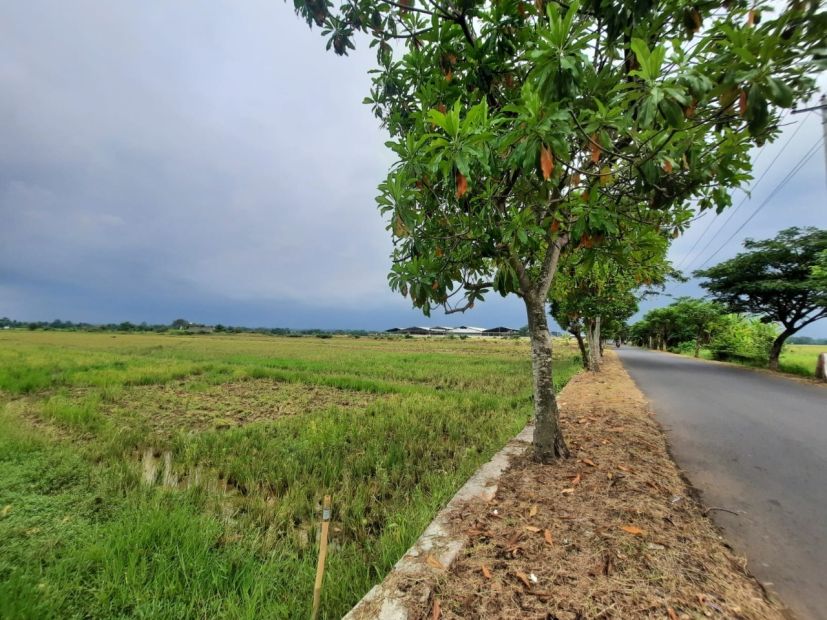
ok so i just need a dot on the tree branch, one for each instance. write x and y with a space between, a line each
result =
549 267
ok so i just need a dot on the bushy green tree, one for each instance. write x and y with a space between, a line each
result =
740 337
776 279
523 129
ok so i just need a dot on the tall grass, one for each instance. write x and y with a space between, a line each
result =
84 536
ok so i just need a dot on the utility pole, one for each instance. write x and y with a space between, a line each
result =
823 107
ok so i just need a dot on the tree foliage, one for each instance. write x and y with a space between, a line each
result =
776 279
686 321
738 337
524 130
598 288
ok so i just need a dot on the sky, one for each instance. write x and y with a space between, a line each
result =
210 161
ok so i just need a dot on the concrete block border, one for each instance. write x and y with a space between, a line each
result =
408 585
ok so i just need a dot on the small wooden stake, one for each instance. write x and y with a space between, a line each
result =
317 588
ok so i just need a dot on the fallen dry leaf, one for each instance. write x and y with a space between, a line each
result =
672 614
532 529
576 480
567 491
588 462
436 612
533 510
523 578
547 536
632 529
486 572
434 562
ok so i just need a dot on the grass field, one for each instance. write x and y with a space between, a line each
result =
801 359
155 476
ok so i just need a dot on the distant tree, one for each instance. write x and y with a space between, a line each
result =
697 317
180 324
776 279
568 319
522 129
820 271
597 286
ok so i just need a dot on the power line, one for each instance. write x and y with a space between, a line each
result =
743 200
709 225
801 163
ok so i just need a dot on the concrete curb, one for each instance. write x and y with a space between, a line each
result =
406 588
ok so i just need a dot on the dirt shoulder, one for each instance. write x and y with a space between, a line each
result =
613 532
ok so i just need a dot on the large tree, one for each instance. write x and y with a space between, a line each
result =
775 279
522 129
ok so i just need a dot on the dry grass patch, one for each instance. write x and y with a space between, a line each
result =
613 532
187 405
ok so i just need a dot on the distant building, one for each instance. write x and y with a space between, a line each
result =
467 330
500 331
462 330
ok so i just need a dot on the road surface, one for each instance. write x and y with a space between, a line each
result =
756 444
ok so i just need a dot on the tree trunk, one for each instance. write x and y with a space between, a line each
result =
593 337
598 337
582 345
548 440
777 345
698 344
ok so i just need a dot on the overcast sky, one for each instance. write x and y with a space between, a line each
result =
209 160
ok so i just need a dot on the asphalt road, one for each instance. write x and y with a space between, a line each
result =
755 444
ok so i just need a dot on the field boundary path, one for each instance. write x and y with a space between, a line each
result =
755 445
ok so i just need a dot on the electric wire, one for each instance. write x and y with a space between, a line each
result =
801 163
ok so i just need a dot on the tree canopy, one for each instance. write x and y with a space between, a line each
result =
522 130
598 287
686 320
776 279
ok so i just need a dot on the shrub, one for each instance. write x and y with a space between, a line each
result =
743 338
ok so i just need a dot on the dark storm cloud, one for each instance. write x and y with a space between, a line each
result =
197 159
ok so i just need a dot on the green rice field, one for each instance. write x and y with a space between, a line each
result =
164 476
801 359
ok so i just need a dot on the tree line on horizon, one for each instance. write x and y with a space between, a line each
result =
178 326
